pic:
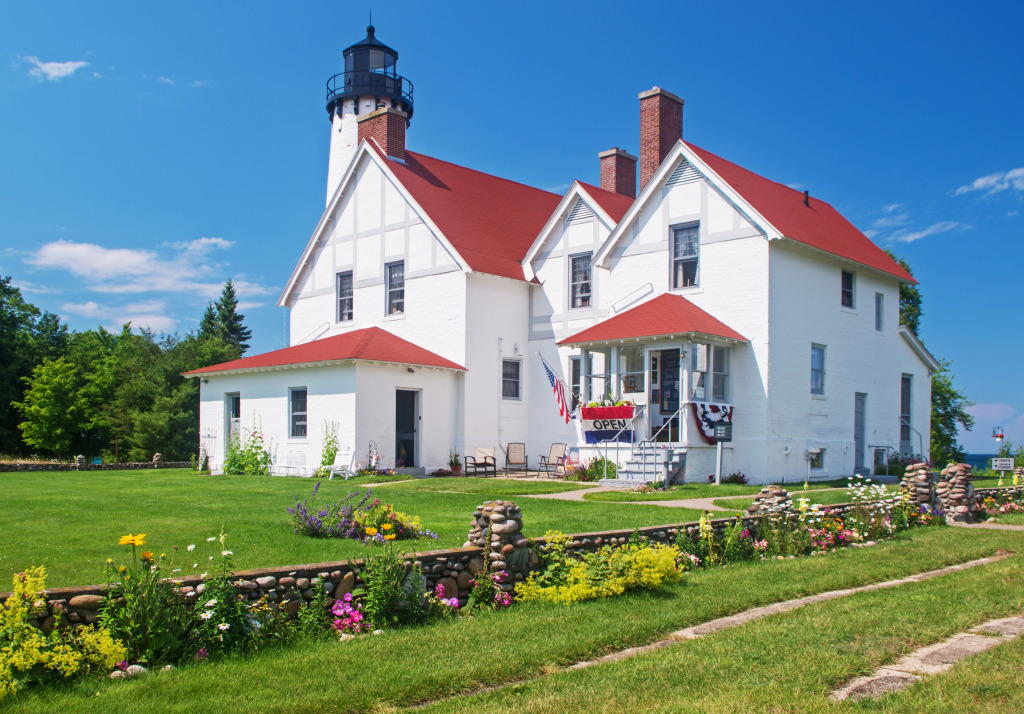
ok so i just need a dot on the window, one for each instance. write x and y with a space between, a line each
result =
905 386
579 280
817 369
817 459
510 379
685 256
631 370
297 399
847 289
395 284
879 304
575 378
719 374
345 296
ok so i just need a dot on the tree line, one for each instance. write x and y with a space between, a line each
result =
101 393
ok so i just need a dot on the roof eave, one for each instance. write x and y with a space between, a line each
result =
919 349
319 363
652 338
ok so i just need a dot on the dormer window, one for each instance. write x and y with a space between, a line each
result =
580 293
847 290
685 256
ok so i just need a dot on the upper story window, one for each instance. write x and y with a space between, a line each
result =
344 281
395 286
817 369
847 289
579 280
879 312
685 256
297 408
510 379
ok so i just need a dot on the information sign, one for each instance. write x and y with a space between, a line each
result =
1002 464
723 432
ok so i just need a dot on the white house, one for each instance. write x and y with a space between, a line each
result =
429 296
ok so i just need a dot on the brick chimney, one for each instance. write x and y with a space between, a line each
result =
618 172
386 126
661 126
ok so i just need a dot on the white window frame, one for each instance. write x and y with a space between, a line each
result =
677 262
394 295
817 461
879 312
340 297
576 287
293 413
821 390
720 357
517 381
852 290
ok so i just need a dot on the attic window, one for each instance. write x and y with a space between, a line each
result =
580 212
684 173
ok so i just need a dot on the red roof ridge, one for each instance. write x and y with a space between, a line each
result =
476 171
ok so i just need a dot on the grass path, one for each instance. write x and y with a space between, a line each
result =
405 667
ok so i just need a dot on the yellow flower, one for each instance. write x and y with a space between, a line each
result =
386 526
122 570
133 539
147 555
390 536
371 531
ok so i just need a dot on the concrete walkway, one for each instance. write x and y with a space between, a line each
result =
701 504
991 526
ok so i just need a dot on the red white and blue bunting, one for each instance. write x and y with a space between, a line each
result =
708 414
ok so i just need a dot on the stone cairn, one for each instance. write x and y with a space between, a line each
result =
956 493
771 499
1019 474
919 485
508 548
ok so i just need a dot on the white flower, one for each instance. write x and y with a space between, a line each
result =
191 548
346 636
195 565
210 540
226 553
211 603
223 626
206 615
378 632
211 557
203 576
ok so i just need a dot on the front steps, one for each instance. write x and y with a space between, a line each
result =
646 465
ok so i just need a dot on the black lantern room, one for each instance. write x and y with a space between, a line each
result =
370 71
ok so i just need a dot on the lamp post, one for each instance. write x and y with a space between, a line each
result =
998 435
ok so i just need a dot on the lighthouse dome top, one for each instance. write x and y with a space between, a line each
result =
370 71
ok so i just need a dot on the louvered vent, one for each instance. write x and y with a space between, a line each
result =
580 212
684 173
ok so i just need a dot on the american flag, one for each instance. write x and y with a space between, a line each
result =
558 387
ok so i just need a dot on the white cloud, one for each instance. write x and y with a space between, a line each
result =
796 186
92 261
243 305
201 246
198 83
147 314
1011 214
908 236
995 183
165 80
892 207
991 412
53 71
28 287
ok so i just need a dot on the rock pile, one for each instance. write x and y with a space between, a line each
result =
956 494
503 521
1018 476
771 499
919 485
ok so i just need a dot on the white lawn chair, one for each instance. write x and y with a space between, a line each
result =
344 463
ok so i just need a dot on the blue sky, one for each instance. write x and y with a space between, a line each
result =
148 153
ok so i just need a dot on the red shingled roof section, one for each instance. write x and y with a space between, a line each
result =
664 315
370 344
614 204
819 225
490 221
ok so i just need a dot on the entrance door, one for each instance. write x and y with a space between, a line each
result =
234 415
858 431
668 395
405 428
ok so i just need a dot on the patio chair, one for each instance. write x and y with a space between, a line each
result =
554 460
515 458
482 461
344 462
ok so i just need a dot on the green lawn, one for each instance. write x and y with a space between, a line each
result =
783 663
702 490
1011 519
70 522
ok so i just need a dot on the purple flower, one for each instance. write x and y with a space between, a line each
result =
201 655
122 665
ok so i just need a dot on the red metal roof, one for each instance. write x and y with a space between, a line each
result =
666 314
818 225
369 344
490 221
614 204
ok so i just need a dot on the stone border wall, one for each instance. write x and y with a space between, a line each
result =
131 466
290 586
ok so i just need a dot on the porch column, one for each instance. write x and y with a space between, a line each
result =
685 389
647 392
585 377
613 372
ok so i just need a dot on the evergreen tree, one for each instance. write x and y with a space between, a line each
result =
229 322
208 325
910 298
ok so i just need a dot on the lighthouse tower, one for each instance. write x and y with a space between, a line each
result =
370 82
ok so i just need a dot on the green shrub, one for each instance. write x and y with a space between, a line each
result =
248 455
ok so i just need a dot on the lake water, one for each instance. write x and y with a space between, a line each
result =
980 461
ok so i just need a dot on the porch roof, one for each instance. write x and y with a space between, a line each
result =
370 344
665 315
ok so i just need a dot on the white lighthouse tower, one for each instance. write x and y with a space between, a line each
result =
370 82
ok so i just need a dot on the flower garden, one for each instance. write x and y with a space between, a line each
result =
186 606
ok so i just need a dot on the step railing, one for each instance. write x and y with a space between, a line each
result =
639 410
